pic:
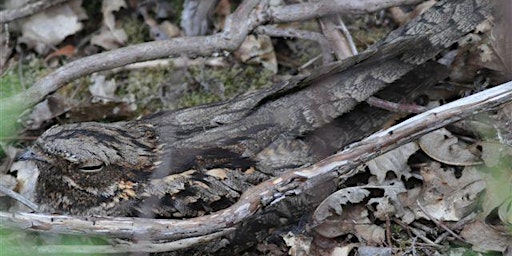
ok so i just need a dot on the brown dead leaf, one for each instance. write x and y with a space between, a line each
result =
342 251
395 161
65 51
52 25
101 111
110 36
484 238
444 147
345 223
446 197
371 250
26 181
333 205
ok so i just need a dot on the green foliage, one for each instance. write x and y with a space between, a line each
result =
136 30
14 81
20 243
10 84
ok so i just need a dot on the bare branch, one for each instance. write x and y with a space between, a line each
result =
229 40
33 206
312 10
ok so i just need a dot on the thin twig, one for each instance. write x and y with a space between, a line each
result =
312 10
19 198
457 225
395 107
348 36
438 223
236 28
338 43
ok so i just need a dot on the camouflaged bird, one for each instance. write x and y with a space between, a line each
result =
198 160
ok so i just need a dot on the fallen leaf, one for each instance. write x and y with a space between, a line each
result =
66 51
395 161
484 238
53 106
52 25
334 203
444 147
446 197
110 36
27 173
371 251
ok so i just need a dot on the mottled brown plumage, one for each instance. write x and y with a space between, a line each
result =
112 169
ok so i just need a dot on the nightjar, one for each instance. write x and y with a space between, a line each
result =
121 169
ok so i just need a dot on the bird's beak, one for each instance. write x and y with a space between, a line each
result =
30 155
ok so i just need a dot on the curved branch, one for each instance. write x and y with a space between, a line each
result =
229 40
306 11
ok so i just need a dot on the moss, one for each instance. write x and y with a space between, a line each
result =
236 80
136 30
365 30
144 86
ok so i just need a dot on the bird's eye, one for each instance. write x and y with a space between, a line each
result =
91 168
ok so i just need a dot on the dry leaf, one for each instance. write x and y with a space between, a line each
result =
66 51
371 251
52 25
395 161
342 251
110 37
334 226
371 234
7 181
484 238
26 181
446 197
444 147
335 202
